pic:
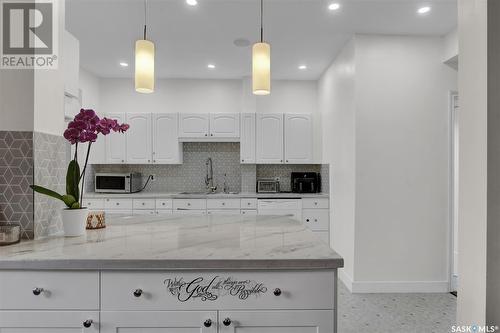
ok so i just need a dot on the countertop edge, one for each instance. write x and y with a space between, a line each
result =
166 265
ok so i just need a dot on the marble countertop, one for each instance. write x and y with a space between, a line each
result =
209 242
163 195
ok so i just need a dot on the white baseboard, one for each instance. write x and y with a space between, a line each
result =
346 279
400 287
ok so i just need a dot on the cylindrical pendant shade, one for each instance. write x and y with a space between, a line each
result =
261 69
144 66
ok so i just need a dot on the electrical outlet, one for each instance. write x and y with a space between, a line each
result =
277 179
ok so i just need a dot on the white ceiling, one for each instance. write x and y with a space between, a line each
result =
188 38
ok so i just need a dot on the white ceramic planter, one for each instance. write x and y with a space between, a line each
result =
74 221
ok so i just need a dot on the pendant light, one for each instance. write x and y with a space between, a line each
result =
261 62
144 62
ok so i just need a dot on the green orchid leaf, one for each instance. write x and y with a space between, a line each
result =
75 205
46 191
73 180
69 200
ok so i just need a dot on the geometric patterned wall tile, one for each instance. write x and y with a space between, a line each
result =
283 171
189 176
16 175
50 171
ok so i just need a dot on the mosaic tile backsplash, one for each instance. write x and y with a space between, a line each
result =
50 171
16 175
190 176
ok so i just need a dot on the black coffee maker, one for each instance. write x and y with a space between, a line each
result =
306 182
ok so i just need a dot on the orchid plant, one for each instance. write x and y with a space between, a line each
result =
84 128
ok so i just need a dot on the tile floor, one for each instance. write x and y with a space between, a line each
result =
395 313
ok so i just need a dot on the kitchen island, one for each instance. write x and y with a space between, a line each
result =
185 273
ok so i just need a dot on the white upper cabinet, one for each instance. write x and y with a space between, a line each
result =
193 125
269 138
298 139
224 125
166 146
71 64
116 143
247 140
139 145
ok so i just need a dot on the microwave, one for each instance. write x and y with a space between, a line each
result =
118 182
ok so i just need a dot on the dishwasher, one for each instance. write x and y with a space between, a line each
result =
285 207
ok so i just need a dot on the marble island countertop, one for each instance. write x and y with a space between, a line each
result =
166 195
179 242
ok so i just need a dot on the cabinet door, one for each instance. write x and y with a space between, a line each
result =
139 137
159 321
166 146
193 125
247 138
71 64
224 125
48 321
296 321
98 150
270 138
298 139
116 144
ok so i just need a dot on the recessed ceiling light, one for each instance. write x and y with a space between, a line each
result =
334 6
192 2
303 67
424 10
123 64
211 66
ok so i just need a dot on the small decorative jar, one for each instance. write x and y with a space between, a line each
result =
96 220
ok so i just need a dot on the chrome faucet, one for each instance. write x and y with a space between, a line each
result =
209 179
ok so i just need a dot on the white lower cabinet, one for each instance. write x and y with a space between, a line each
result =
159 321
298 321
49 321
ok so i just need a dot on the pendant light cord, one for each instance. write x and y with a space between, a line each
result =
261 21
145 18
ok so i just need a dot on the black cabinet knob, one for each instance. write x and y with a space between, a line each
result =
307 220
37 291
277 292
138 292
88 323
226 322
207 323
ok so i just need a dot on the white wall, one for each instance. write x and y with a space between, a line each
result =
472 21
450 45
336 96
402 162
179 95
400 126
90 87
49 90
16 100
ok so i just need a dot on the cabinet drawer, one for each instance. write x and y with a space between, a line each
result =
279 204
313 203
93 204
189 212
144 212
226 290
223 203
248 212
144 204
316 219
190 204
223 212
162 204
248 203
122 204
57 290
